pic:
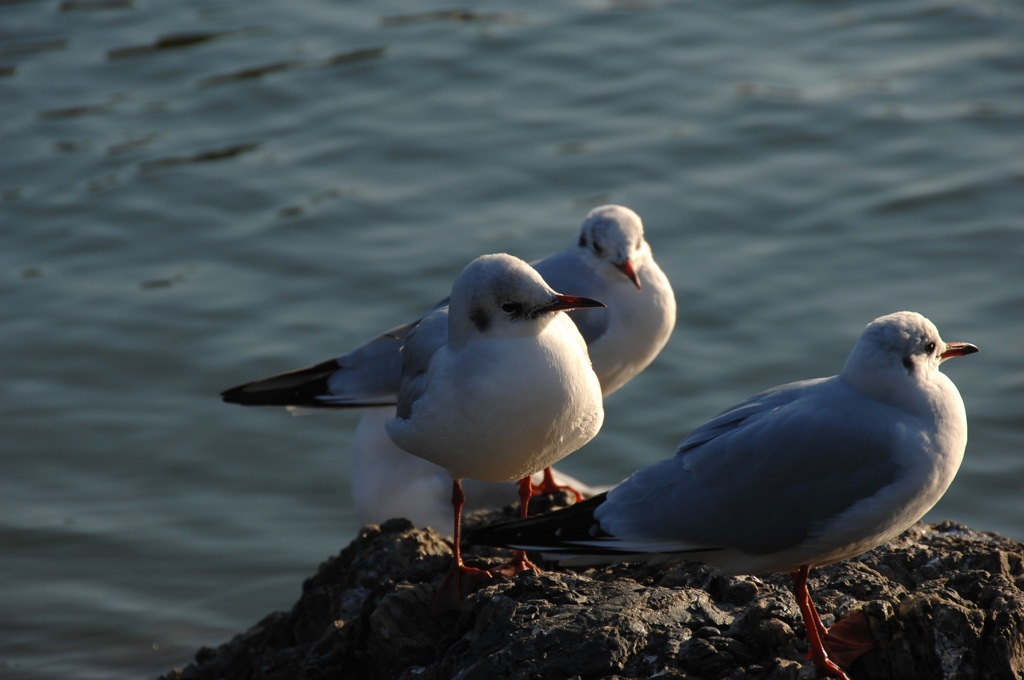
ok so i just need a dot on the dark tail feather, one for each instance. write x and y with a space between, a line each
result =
294 388
554 530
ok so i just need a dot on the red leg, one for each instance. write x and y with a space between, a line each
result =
800 590
548 485
815 629
848 638
525 494
519 562
460 580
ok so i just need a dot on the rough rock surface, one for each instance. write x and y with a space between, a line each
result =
943 601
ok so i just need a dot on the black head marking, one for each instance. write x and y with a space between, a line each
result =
480 318
591 242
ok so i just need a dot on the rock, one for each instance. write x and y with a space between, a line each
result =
943 602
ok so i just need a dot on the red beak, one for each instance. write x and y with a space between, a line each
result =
627 269
562 302
958 349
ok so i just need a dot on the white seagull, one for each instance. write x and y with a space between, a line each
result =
610 260
388 482
801 475
496 386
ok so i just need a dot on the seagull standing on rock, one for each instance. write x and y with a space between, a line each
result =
801 475
495 387
610 260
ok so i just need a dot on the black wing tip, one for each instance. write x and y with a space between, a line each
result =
286 397
496 535
234 395
550 529
243 395
302 387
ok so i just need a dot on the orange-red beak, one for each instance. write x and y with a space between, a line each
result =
563 302
957 349
627 269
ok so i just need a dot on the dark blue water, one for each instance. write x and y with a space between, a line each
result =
199 193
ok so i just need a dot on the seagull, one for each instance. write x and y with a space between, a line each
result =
612 261
801 475
609 260
389 482
496 386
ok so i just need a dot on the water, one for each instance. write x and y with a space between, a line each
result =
200 193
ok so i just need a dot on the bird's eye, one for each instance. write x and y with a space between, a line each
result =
510 307
930 347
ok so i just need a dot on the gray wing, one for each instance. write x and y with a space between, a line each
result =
567 274
371 372
418 349
757 406
761 475
369 375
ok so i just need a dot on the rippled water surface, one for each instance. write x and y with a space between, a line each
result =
199 193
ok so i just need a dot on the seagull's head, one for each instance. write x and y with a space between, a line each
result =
898 353
503 295
612 237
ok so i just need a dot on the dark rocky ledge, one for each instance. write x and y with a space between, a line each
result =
943 600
